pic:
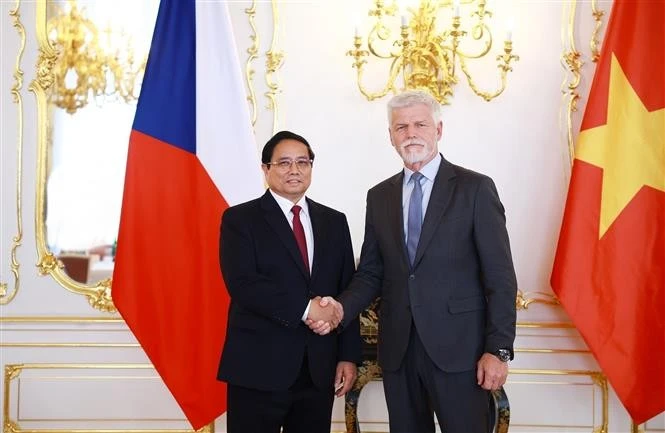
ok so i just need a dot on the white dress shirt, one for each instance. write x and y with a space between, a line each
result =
285 205
429 172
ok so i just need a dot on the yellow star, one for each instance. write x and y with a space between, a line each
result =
630 147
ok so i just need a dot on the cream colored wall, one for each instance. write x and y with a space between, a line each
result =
83 369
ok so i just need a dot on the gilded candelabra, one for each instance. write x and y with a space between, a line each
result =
426 55
91 63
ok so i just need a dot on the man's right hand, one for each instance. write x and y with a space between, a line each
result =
324 315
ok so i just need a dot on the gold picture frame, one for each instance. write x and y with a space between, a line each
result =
99 293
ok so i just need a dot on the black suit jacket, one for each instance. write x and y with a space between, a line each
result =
269 288
461 292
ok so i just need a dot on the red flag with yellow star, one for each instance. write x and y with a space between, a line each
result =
609 270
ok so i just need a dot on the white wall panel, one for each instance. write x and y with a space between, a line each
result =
517 139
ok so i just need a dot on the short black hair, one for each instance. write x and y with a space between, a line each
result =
269 148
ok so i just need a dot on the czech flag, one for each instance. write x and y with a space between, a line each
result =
191 154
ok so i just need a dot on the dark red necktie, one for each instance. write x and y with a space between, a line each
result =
299 233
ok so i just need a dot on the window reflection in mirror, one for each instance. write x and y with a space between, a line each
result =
90 125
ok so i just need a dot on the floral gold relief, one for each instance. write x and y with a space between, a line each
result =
253 51
274 60
5 295
99 294
572 63
524 299
598 18
571 60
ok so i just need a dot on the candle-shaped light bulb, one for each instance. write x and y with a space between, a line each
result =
509 29
356 31
456 8
405 21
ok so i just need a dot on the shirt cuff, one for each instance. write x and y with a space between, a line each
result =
304 316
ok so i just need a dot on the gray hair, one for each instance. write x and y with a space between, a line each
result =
414 97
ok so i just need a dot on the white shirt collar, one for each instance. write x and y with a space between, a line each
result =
285 204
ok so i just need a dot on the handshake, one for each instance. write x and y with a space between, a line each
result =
324 315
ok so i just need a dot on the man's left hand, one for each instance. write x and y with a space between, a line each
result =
492 372
345 377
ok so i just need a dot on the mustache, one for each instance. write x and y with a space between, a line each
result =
412 141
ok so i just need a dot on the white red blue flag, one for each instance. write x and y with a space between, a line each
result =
192 153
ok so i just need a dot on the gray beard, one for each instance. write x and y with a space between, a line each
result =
411 157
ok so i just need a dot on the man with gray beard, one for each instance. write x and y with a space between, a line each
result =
436 251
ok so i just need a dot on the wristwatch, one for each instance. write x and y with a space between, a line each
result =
503 354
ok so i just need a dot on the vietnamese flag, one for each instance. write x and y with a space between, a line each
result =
609 270
191 154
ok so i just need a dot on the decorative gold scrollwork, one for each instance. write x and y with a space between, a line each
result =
369 323
253 52
572 63
11 427
274 60
99 295
14 265
524 299
598 18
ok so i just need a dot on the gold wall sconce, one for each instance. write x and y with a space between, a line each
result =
91 64
426 53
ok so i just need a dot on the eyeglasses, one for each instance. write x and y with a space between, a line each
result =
286 164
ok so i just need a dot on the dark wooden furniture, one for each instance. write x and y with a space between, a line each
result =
77 266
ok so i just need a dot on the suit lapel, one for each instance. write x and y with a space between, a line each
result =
395 214
442 192
317 217
276 219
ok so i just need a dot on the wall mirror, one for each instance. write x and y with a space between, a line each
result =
92 57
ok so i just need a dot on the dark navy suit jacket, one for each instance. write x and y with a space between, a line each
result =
266 339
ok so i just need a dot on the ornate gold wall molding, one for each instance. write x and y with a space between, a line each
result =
546 325
594 44
253 51
646 428
274 61
5 296
571 61
524 299
597 378
73 345
13 371
99 295
553 351
59 319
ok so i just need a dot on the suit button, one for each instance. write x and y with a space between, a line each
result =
412 277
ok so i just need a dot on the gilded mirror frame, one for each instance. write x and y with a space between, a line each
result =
98 294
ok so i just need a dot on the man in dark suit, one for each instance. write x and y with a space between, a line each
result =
436 251
279 255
